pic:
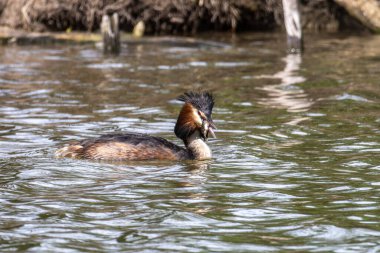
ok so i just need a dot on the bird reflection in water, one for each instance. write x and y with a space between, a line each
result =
196 179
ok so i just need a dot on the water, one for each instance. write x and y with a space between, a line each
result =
296 165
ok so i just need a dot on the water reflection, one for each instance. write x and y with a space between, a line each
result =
286 95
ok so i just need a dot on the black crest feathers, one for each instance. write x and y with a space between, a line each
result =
203 101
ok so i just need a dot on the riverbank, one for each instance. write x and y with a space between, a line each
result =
171 16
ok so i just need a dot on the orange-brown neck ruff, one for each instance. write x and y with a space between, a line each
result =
188 121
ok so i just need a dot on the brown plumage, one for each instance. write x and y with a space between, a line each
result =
194 125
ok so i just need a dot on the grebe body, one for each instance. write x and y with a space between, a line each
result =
194 126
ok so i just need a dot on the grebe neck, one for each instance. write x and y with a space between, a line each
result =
198 148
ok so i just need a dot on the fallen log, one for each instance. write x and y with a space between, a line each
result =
366 11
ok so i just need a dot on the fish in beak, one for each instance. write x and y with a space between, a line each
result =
210 131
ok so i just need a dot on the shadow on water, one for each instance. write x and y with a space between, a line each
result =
295 164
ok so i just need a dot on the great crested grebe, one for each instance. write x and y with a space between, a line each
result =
194 125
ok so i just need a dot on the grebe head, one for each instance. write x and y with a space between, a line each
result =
195 115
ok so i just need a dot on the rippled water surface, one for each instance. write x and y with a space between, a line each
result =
296 164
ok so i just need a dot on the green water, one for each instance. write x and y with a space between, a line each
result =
296 164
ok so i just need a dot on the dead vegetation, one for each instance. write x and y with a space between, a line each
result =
167 16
